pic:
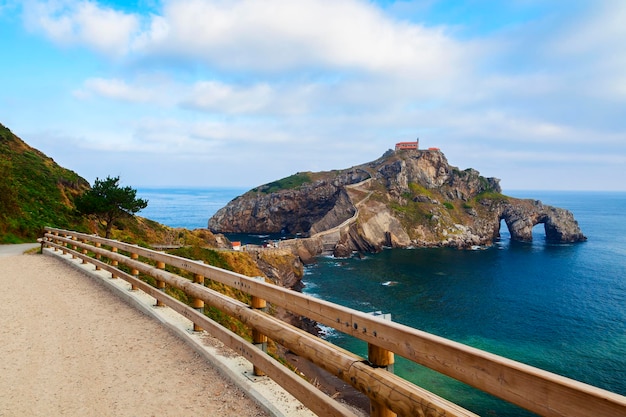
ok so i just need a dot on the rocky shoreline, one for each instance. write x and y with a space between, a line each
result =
403 199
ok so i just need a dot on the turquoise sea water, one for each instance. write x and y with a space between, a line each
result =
558 307
190 208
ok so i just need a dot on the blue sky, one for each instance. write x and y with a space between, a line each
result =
241 93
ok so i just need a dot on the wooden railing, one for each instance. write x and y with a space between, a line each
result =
531 388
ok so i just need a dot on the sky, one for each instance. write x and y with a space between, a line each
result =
239 93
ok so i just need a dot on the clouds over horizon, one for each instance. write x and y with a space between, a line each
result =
311 79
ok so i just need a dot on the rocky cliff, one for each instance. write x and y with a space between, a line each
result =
405 198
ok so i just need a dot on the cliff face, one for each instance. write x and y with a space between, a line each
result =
290 211
403 199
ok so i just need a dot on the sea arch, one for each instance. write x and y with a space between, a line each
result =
559 224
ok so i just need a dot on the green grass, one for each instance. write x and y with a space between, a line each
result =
288 183
411 213
209 256
34 191
417 189
221 260
491 195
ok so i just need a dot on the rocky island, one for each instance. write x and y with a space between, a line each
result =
406 198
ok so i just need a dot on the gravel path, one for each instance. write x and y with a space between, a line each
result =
11 250
70 347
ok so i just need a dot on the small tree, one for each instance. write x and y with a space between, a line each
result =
107 202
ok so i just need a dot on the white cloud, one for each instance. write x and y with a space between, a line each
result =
273 35
599 30
115 89
82 23
313 83
327 54
589 50
224 98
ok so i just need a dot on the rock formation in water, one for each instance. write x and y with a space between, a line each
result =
406 198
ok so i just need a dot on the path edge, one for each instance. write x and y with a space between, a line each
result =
270 396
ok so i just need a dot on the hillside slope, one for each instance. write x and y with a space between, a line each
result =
405 198
34 191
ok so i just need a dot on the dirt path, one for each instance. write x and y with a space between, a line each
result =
70 347
11 250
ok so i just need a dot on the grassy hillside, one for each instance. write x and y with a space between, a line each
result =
34 191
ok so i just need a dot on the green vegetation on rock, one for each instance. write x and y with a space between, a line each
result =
491 195
412 212
287 183
417 189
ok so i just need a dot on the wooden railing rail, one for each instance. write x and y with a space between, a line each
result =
315 400
537 390
396 393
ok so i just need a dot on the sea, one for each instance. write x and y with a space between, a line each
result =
561 308
189 208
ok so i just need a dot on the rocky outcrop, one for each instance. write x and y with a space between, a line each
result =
314 206
403 199
282 267
560 225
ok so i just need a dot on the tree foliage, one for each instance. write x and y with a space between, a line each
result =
107 201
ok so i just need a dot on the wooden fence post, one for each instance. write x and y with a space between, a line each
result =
134 272
74 247
98 256
259 339
113 261
84 251
197 303
160 284
380 358
56 241
64 246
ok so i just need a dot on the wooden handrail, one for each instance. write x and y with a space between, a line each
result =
537 390
314 399
378 384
